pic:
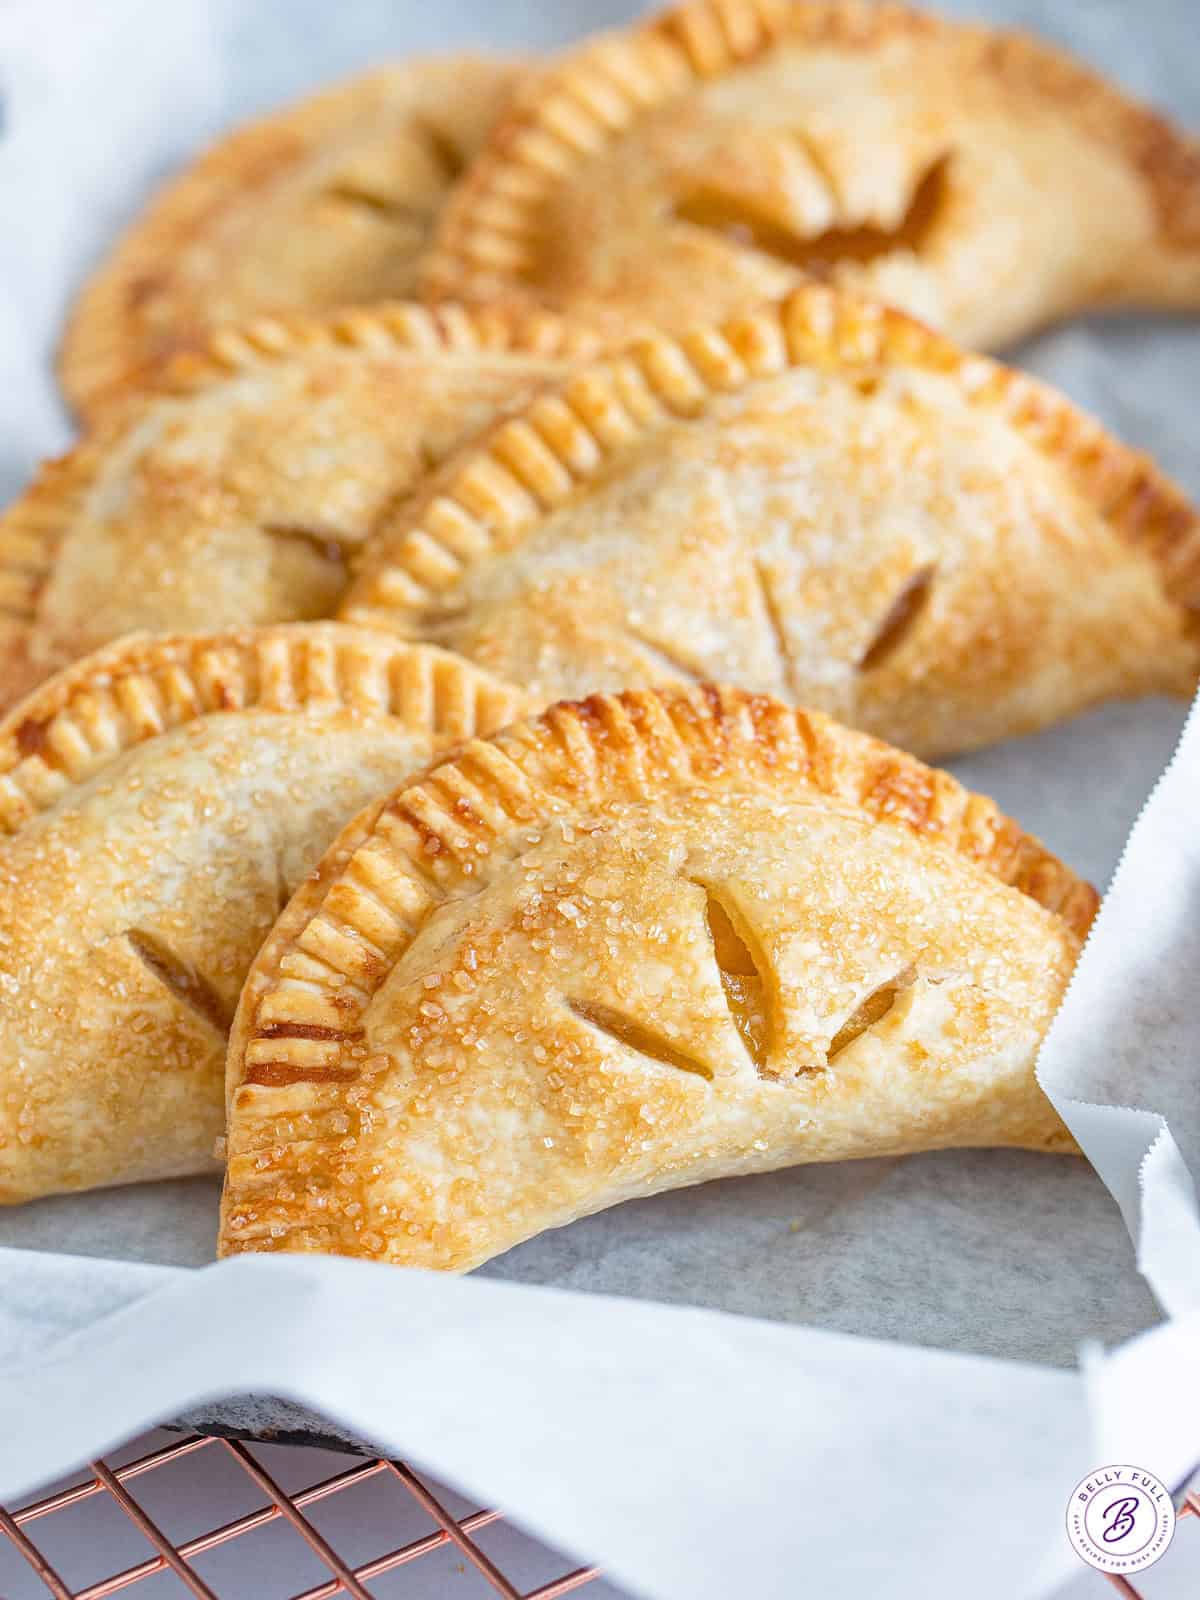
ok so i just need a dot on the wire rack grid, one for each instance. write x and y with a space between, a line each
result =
452 1531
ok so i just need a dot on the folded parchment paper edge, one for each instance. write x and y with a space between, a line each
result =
1133 1148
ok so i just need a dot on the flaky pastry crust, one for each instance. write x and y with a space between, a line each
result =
722 150
158 804
324 203
822 500
634 943
237 487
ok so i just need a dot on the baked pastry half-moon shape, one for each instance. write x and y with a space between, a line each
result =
632 944
159 802
236 490
820 500
326 202
726 148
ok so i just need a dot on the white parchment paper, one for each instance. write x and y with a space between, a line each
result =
640 1433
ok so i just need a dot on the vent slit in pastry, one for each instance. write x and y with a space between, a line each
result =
448 156
776 630
381 205
746 993
872 1010
899 620
334 550
672 662
184 982
819 254
637 1037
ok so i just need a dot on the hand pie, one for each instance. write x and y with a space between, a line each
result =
634 944
236 490
821 500
725 149
324 203
158 804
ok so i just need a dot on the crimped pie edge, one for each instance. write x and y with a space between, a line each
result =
73 726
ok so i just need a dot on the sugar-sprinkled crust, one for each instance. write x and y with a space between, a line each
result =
853 108
327 201
507 553
244 515
158 802
401 999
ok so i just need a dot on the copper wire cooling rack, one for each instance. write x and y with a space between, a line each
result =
452 1533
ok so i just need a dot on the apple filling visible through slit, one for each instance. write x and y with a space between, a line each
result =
819 254
873 1009
740 978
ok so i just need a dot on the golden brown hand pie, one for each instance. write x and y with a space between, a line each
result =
236 490
726 148
633 944
327 202
158 804
821 500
